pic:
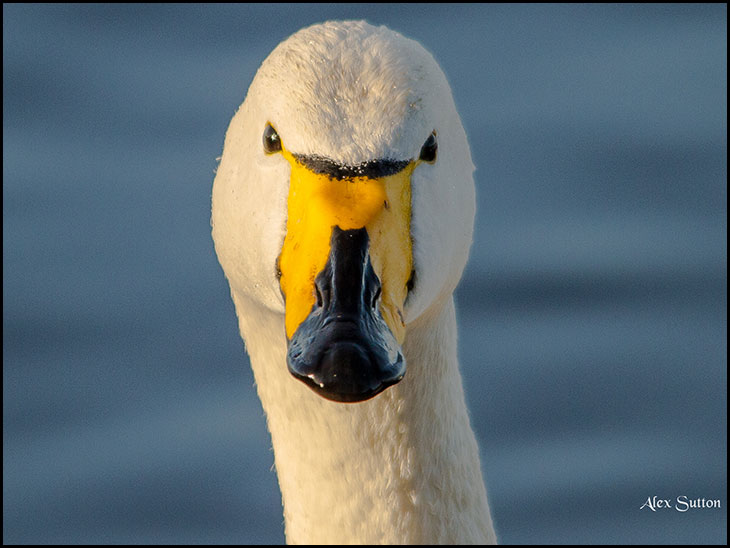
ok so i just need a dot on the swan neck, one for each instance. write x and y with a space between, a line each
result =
400 468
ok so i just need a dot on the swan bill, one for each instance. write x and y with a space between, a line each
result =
345 266
344 350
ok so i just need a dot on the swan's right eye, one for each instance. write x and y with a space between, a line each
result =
272 141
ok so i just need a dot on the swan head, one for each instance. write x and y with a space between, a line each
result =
344 201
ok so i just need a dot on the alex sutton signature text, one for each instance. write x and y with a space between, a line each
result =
682 504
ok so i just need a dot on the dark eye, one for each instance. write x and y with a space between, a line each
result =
272 142
429 148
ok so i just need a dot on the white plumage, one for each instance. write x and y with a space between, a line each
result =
402 467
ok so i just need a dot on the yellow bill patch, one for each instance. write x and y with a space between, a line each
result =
317 203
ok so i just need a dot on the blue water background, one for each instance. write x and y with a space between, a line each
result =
592 313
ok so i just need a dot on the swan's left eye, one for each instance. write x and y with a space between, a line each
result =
272 141
429 149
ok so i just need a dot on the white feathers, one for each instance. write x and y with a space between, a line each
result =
348 91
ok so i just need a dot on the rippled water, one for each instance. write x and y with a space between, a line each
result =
592 313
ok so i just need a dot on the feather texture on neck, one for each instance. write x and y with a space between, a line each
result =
400 468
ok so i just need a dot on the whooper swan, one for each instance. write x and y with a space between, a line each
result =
343 212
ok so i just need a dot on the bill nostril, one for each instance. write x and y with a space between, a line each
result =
376 296
323 290
319 296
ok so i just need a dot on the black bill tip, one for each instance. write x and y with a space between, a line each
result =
344 349
346 372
